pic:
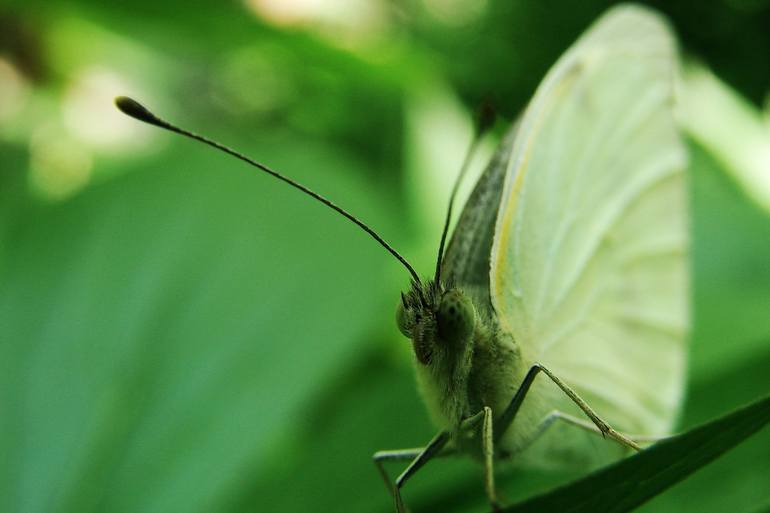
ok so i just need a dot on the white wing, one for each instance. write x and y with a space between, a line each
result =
589 264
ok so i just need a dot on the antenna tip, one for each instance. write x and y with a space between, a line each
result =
136 110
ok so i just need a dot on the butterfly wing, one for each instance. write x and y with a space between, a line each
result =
589 261
466 261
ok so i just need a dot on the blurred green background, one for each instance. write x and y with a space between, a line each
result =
178 334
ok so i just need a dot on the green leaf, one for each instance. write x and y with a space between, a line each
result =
631 482
162 332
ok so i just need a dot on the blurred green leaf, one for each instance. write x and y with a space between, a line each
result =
738 480
731 249
161 332
631 482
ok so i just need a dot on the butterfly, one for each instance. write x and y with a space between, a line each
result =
560 306
569 262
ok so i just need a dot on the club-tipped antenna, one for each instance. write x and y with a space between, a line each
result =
485 118
138 111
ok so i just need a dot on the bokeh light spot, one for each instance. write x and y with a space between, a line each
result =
14 91
90 114
456 12
59 166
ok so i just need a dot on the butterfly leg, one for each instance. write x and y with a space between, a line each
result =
380 457
506 418
487 449
556 415
419 458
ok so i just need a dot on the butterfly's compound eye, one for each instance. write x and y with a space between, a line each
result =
403 320
456 317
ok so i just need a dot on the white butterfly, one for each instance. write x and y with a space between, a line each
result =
569 259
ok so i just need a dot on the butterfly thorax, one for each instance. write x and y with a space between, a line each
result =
461 355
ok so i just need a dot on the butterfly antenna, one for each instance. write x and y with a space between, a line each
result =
138 111
484 120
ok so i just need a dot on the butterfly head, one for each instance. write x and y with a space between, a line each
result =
438 320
